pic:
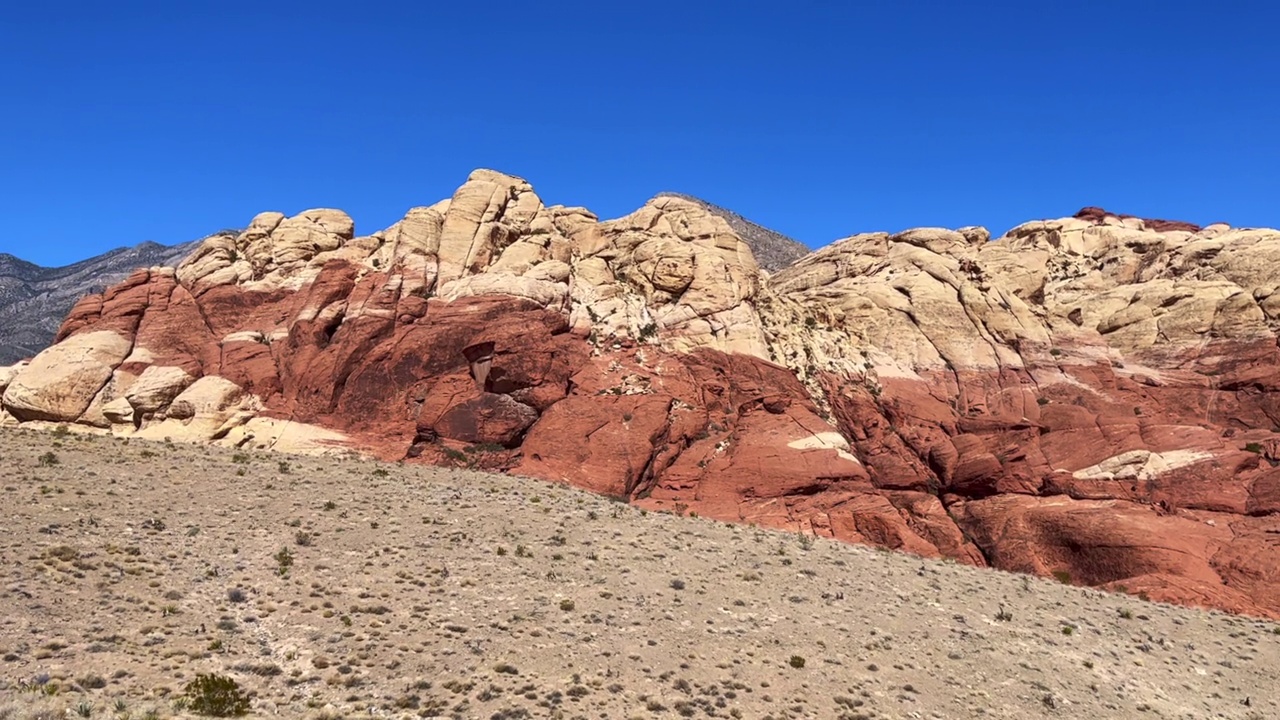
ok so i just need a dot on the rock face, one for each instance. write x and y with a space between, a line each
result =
1089 397
773 250
34 299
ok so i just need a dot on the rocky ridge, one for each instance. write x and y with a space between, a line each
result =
773 250
34 300
1088 398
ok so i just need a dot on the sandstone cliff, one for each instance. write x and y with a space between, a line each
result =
1088 397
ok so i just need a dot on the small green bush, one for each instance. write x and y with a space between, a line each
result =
215 695
284 561
796 662
1254 448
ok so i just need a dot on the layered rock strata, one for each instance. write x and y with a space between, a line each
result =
1093 397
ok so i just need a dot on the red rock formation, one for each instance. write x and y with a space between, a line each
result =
1092 401
1098 215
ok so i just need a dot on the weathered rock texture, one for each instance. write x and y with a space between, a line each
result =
1085 397
773 250
34 299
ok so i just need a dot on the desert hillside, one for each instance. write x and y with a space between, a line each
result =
1095 398
338 587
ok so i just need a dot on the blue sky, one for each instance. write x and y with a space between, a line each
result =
131 121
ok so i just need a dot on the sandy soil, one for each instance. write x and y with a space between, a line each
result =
347 588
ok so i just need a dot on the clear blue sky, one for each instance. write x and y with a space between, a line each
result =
129 121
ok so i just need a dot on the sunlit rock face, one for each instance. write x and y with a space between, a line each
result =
1093 397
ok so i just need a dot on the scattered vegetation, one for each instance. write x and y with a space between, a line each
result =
214 695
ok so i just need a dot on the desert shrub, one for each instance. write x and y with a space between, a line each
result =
1253 448
796 662
284 561
215 696
65 553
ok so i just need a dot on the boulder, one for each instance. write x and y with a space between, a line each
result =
489 418
63 380
156 388
205 411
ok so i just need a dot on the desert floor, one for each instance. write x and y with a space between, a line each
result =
340 587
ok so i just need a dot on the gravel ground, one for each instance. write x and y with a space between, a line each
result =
342 587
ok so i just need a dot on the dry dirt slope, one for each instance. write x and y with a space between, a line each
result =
421 592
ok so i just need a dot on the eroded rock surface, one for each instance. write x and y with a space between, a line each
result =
1094 397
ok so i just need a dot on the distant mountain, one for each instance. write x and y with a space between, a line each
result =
34 299
773 250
